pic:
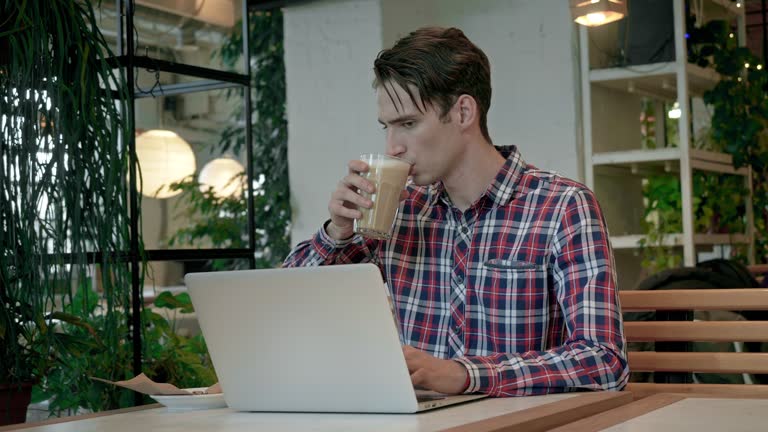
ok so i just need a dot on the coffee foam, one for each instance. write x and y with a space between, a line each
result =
391 164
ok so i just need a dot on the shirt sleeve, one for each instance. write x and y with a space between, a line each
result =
593 356
321 249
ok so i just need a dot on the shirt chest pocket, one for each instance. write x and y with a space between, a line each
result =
511 289
503 274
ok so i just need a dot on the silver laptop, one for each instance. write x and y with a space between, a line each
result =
313 339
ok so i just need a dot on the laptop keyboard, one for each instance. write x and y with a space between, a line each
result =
429 396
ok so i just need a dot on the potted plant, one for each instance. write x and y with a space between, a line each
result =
29 347
62 186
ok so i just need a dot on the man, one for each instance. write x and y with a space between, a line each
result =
501 274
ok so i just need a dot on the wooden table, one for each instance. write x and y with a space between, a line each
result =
533 413
679 412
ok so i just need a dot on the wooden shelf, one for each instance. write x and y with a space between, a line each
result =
657 80
633 241
667 160
628 157
722 9
705 160
674 240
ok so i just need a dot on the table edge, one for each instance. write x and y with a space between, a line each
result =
628 412
542 418
22 426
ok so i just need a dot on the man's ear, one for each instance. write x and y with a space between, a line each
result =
467 111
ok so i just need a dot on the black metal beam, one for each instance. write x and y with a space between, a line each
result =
152 255
248 117
136 288
178 68
765 31
185 87
196 254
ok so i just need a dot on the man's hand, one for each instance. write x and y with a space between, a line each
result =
432 373
346 201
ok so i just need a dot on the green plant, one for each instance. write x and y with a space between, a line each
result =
222 222
739 121
662 216
214 221
718 202
62 187
69 388
169 357
180 360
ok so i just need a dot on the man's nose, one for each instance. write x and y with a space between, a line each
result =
394 146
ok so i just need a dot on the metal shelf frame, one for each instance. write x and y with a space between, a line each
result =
209 79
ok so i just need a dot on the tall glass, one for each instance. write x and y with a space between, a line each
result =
389 174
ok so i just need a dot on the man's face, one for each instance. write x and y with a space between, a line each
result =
430 143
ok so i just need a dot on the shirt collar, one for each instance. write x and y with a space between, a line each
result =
503 187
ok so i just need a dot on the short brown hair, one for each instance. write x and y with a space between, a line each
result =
442 64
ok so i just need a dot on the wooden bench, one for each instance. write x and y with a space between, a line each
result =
699 331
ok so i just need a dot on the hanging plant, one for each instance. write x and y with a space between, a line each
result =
62 194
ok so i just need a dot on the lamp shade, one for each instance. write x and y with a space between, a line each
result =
219 174
164 158
597 12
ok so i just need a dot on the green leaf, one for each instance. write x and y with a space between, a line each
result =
168 300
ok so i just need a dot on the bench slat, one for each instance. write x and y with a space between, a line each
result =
709 331
641 390
705 362
703 299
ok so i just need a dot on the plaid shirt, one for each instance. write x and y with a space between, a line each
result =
520 287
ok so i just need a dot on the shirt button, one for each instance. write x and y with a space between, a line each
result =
459 279
464 230
457 329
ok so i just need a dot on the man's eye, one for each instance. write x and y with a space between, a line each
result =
408 124
383 127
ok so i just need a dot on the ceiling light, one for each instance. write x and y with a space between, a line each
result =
164 158
224 176
593 13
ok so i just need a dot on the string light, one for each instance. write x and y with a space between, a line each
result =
675 112
746 65
759 67
730 35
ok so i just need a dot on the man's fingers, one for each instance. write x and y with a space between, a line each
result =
411 358
411 353
338 209
356 166
419 378
355 182
351 199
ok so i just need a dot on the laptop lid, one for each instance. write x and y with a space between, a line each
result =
314 339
